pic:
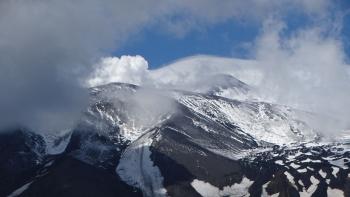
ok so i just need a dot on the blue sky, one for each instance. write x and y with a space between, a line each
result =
231 38
346 34
159 48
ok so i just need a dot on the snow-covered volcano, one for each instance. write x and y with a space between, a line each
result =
137 141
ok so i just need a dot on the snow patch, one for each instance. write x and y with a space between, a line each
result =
48 164
308 160
279 162
137 169
290 177
295 166
335 171
302 170
323 173
339 163
310 168
57 142
264 193
20 190
335 192
311 189
301 182
207 190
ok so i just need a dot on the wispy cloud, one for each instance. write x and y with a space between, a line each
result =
307 69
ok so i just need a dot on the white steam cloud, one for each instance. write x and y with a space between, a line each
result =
127 69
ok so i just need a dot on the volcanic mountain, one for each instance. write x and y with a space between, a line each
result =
138 141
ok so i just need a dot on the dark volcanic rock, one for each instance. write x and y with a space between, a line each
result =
21 152
70 177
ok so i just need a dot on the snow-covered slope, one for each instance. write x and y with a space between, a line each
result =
119 107
226 86
265 122
137 169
